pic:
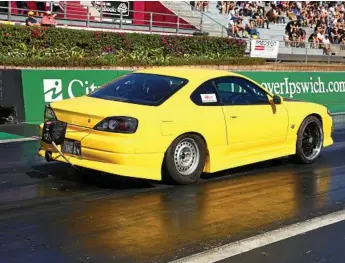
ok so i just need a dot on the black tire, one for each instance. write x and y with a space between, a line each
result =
170 170
300 155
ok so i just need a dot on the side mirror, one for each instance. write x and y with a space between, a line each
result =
277 99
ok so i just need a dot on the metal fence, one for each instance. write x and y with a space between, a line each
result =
151 22
312 52
306 52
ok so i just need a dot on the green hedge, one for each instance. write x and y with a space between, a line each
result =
35 46
104 62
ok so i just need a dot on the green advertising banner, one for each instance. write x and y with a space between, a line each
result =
44 86
326 88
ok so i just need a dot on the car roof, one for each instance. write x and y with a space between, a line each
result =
188 72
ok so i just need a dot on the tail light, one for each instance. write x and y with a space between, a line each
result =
118 125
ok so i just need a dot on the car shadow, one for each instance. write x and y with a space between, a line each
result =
92 178
248 170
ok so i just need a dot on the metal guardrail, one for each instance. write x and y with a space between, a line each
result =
109 20
306 52
151 22
312 52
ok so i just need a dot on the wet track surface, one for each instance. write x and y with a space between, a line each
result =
50 213
324 245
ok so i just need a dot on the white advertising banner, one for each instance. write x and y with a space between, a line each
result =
264 48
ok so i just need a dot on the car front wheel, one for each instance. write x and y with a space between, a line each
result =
309 140
185 159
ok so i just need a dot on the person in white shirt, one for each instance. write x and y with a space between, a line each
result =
326 44
326 40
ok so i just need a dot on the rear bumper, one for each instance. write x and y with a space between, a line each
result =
99 158
146 166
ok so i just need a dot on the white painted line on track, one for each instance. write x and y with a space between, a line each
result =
19 140
245 245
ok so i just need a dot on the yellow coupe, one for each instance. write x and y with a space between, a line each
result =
176 123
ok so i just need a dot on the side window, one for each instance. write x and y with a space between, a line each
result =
239 91
205 95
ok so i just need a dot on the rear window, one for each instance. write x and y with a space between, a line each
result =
140 88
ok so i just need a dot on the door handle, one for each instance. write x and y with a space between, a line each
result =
233 117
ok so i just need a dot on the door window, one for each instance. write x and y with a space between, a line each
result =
205 95
239 91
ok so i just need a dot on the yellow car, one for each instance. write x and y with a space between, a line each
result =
176 123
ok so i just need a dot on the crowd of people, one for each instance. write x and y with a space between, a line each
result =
325 17
327 20
237 11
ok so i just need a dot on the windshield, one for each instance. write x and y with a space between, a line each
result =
140 88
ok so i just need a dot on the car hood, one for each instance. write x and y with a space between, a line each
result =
88 112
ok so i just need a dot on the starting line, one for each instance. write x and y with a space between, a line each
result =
245 245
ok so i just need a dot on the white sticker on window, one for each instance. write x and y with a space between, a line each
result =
206 98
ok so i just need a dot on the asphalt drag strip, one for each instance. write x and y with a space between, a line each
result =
50 213
325 244
303 237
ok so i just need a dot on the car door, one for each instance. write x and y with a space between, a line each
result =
253 121
209 117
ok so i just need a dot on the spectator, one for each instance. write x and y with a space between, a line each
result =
272 15
282 15
287 39
259 20
292 25
342 42
326 44
232 14
335 35
314 40
239 26
231 28
320 35
192 4
201 5
48 19
205 6
225 7
251 29
31 21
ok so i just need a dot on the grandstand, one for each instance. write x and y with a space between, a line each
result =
168 17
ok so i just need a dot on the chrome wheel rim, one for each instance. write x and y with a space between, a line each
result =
186 156
312 139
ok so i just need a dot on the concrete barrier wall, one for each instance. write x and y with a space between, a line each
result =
11 96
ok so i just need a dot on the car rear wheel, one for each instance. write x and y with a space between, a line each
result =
185 159
309 140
